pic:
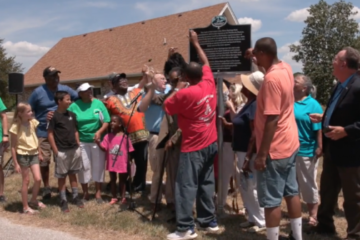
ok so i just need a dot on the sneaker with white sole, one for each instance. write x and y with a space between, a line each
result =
212 227
189 234
246 224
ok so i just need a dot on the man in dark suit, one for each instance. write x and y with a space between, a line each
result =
341 146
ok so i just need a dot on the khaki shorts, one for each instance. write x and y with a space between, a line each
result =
46 151
306 172
27 160
68 162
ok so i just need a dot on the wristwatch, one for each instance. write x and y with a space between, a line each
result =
246 159
5 135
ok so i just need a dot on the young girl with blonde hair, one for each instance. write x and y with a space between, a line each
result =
26 155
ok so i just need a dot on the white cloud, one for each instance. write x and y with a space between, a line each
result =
298 15
357 16
26 53
144 7
255 23
24 49
301 15
286 56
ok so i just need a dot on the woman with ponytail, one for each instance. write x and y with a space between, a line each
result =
310 137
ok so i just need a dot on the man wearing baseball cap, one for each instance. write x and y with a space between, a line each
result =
42 102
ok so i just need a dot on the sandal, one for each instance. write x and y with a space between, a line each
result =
313 221
29 211
256 229
37 205
113 201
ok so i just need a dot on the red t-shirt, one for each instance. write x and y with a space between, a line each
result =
196 110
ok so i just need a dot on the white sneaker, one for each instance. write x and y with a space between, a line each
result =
213 227
189 234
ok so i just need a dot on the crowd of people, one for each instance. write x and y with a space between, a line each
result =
275 132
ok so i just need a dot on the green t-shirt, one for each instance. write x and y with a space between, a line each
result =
2 108
88 116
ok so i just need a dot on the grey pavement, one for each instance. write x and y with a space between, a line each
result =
11 231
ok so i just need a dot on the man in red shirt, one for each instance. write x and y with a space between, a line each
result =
195 107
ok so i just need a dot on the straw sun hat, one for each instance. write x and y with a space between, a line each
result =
253 81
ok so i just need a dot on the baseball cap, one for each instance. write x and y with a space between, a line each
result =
83 87
116 77
253 81
49 71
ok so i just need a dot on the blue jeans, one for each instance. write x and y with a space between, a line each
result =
195 180
278 180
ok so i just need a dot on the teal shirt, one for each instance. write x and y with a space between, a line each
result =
307 129
89 117
2 109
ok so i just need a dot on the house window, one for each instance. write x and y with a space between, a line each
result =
97 92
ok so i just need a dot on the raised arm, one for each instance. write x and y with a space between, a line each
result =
146 101
195 42
144 79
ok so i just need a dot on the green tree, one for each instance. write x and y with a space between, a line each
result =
329 28
297 73
7 65
357 44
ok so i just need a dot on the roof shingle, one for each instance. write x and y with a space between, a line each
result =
122 49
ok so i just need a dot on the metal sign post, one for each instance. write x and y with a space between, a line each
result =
221 109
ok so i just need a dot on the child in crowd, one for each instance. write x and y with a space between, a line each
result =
26 154
64 140
110 145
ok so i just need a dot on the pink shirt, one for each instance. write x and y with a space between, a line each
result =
196 110
276 97
111 144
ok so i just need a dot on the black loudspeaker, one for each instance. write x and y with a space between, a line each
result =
16 83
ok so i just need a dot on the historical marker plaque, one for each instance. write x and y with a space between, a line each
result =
224 45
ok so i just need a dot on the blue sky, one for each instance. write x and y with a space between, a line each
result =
31 28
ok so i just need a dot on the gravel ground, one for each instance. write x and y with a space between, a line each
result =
11 231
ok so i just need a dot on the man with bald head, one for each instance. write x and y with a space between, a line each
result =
195 107
341 146
277 141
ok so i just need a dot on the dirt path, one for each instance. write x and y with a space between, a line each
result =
9 230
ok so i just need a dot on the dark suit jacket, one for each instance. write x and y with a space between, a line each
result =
346 151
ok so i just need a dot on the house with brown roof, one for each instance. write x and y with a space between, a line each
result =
91 57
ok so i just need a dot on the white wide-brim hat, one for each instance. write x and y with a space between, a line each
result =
253 81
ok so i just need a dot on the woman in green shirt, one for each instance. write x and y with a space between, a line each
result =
93 120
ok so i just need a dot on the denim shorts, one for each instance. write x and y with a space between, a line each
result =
278 180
